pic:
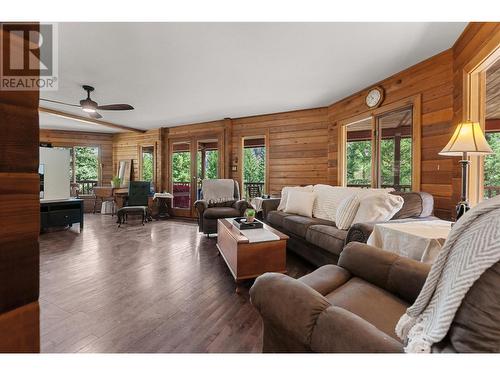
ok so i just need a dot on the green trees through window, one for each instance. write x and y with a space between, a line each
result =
211 164
181 166
492 164
254 164
359 163
147 166
86 163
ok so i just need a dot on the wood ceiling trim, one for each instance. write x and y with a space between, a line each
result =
88 120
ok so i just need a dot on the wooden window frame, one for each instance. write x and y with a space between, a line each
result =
413 101
264 135
155 157
474 108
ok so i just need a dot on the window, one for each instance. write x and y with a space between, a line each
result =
254 166
492 166
395 149
147 163
181 175
381 149
491 163
359 153
84 167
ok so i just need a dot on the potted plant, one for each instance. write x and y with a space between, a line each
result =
250 215
115 182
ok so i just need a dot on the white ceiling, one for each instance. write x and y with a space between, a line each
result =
181 73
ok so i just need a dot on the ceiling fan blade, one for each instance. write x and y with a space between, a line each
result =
116 107
58 102
95 115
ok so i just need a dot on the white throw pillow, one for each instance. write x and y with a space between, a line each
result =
286 190
346 212
300 202
378 207
328 199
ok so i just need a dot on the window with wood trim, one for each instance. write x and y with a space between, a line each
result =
381 149
84 169
147 166
491 163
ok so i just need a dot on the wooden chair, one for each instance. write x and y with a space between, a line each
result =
253 191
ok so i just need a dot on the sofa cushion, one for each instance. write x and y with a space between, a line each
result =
327 237
286 190
378 207
220 212
300 202
371 303
298 224
416 204
275 218
476 326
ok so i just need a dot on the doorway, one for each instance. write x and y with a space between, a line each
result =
191 161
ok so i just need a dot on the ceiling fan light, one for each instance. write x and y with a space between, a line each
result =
89 109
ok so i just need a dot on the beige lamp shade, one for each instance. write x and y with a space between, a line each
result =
468 137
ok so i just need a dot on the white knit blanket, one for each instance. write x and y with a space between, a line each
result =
218 190
472 247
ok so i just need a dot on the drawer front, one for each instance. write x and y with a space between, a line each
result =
64 217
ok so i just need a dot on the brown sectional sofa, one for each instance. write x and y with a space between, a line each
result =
355 306
321 242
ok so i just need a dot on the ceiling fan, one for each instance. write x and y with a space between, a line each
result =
90 107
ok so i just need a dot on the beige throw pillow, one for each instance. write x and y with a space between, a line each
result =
346 212
300 202
286 190
378 207
328 199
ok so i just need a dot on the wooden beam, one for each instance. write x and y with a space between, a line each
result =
88 120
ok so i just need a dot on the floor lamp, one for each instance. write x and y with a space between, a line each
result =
468 139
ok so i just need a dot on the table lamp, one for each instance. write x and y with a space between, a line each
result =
468 139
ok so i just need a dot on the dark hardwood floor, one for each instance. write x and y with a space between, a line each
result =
161 287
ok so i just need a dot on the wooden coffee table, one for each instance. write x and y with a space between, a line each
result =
247 259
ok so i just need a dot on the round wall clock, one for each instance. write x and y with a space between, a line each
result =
374 97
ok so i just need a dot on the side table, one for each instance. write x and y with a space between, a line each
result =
162 199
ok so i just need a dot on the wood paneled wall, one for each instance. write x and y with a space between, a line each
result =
303 145
19 218
104 141
432 79
213 129
297 146
478 41
127 146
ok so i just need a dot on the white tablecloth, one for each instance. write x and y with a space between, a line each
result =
419 240
162 195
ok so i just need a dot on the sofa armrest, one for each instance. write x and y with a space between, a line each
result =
399 275
241 206
326 278
340 331
269 205
289 305
200 206
359 232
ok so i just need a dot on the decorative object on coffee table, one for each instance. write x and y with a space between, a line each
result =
250 253
243 223
468 139
250 215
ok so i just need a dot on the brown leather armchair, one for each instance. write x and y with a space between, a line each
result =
355 306
209 212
